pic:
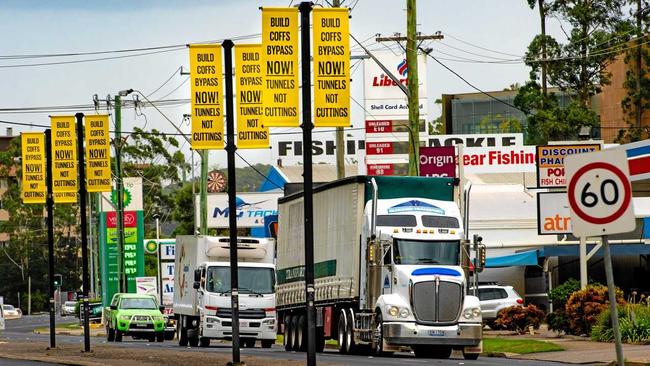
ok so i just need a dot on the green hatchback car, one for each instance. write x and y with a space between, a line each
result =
138 316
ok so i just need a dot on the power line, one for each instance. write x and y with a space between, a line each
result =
165 83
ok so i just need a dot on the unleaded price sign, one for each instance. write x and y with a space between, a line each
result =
206 96
64 159
251 133
33 164
280 67
331 52
98 154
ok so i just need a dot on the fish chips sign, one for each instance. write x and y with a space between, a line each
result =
550 162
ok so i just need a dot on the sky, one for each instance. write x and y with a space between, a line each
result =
46 27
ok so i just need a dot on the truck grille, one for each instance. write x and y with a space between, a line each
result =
437 301
243 314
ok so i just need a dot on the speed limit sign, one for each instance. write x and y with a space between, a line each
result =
599 193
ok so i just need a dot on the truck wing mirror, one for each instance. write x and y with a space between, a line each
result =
197 275
196 285
387 256
113 307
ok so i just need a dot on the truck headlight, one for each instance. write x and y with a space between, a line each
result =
268 321
472 313
404 313
393 311
209 319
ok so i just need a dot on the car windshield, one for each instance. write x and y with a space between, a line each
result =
426 252
138 303
251 280
8 307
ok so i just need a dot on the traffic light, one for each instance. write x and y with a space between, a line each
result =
58 280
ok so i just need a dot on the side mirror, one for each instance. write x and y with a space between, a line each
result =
388 256
113 307
196 285
197 275
481 256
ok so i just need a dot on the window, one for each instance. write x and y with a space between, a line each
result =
440 221
426 252
251 280
396 220
138 303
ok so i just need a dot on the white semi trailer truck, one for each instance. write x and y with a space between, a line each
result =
388 273
202 297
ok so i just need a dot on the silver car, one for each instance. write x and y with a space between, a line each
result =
10 312
493 298
68 308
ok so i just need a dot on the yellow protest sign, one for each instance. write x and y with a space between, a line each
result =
65 197
251 134
280 67
33 164
98 154
207 96
64 156
331 50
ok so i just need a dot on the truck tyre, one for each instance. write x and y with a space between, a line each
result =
182 332
249 343
302 326
349 333
288 342
204 342
267 343
194 341
320 339
379 336
439 352
342 329
110 334
118 335
470 356
296 334
160 337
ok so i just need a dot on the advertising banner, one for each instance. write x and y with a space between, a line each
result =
331 54
64 157
146 285
280 67
251 133
553 214
251 208
438 161
480 160
550 162
132 196
33 164
98 154
206 96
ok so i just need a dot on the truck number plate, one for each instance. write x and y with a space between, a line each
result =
243 324
437 333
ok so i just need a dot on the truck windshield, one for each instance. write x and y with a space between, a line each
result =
251 280
135 303
426 252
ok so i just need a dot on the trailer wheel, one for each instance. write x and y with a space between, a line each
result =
267 343
182 332
349 333
342 330
288 331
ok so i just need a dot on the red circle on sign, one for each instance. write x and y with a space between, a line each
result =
627 196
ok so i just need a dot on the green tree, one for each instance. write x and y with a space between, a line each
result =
183 210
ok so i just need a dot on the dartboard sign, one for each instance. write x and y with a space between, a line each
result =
216 181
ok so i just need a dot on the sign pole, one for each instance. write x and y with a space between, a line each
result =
232 204
83 194
307 126
611 289
583 262
50 233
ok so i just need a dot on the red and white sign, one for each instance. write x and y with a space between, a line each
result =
379 126
379 148
130 219
599 193
380 169
438 161
550 162
512 159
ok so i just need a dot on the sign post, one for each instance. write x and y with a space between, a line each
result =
50 235
83 194
600 199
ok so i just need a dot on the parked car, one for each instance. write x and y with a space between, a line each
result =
493 298
10 312
135 315
68 308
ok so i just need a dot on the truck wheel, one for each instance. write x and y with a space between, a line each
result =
432 351
194 341
296 334
249 343
182 333
118 335
204 342
160 337
349 334
470 356
379 336
342 329
110 334
288 342
267 343
302 339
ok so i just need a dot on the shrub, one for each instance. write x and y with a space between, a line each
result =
561 293
634 323
519 318
558 321
584 307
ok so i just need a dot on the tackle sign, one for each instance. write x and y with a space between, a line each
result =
550 162
280 67
251 134
600 193
98 154
331 52
33 164
206 96
64 159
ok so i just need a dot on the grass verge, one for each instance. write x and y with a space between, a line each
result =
519 346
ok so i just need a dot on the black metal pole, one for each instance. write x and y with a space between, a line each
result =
49 201
307 126
232 197
83 194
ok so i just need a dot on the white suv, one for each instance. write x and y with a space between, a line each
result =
494 298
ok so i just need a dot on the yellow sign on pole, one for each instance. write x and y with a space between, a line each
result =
207 96
331 52
64 159
280 67
98 154
33 158
251 133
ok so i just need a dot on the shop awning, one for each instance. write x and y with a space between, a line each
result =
573 250
527 258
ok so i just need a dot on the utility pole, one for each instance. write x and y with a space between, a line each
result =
119 190
203 190
83 195
340 143
411 39
50 233
542 16
638 59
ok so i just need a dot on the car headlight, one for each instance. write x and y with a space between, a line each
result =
404 313
472 313
393 311
125 317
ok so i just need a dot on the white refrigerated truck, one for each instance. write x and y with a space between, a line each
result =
388 273
202 290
